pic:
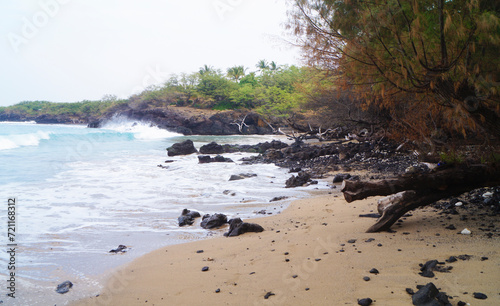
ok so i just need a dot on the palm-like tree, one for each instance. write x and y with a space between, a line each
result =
206 69
236 72
262 65
273 66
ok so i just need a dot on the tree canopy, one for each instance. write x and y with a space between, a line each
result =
433 63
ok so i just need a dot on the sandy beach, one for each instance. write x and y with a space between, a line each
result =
307 256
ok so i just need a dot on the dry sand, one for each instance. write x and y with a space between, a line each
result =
304 258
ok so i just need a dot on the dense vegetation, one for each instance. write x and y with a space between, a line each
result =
271 90
432 66
78 111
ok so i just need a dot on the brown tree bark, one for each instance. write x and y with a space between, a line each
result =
412 191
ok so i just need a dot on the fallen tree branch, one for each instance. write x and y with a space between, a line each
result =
417 190
241 124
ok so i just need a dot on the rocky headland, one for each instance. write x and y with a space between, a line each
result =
192 121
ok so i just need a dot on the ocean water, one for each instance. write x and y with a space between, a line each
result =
82 192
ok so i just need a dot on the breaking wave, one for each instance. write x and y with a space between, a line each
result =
13 141
140 129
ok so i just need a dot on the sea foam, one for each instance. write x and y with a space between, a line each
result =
140 129
22 140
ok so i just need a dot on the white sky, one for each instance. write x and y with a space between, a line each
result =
72 50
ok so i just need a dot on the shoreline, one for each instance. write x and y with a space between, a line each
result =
306 256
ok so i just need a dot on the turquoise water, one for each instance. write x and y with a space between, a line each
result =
82 192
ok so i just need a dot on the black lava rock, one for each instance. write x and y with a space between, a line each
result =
205 159
182 148
213 221
64 287
187 217
241 176
480 296
238 227
338 178
374 271
427 268
426 296
365 302
120 249
212 148
443 299
301 179
269 294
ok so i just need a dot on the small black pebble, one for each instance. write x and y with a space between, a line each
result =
374 271
286 253
199 251
410 291
317 259
217 291
480 296
484 258
307 289
295 276
287 260
204 269
365 302
379 245
460 303
268 295
451 259
366 278
351 241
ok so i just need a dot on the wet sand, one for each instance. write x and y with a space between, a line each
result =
304 257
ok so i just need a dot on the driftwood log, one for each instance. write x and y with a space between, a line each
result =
411 191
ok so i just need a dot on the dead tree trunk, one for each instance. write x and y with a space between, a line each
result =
412 191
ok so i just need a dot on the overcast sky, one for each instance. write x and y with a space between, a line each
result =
72 50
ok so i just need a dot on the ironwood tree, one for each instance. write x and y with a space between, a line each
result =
433 64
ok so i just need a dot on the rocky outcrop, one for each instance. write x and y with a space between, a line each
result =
262 147
191 121
120 249
241 176
205 159
64 287
301 179
213 221
212 148
238 227
187 217
182 148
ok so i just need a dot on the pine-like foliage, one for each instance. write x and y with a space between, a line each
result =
434 64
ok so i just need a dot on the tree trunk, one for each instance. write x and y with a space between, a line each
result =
412 191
